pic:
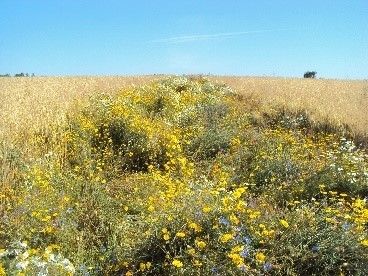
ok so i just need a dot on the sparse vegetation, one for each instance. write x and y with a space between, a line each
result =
180 176
23 75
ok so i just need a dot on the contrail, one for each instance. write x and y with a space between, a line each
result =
190 38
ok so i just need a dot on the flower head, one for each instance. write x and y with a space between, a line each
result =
260 257
180 234
284 223
364 242
267 266
200 244
226 237
177 263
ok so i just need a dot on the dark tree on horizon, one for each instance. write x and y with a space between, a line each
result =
310 74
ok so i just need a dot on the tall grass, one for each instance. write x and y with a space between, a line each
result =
30 103
336 102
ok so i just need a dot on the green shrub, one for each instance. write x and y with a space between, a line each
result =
312 246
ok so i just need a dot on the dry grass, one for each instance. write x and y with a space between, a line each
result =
32 103
341 102
29 104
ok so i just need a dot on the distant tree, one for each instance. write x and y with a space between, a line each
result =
19 75
310 74
5 75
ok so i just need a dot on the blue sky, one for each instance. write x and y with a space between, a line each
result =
274 37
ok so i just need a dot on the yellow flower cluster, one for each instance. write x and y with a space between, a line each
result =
177 177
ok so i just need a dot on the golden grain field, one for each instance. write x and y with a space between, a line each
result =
28 103
339 101
32 103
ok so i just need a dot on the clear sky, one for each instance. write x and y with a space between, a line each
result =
263 37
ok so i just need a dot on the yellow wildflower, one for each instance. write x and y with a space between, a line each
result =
237 249
125 264
177 263
180 234
195 227
142 266
191 251
226 237
260 257
200 244
254 214
364 242
234 219
236 259
240 206
2 270
330 220
284 223
238 192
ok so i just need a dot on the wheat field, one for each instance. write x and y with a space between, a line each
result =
337 101
29 104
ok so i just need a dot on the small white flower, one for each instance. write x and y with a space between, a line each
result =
51 257
23 244
68 265
22 265
40 264
24 255
42 273
3 253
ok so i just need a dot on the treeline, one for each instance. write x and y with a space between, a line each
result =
18 75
